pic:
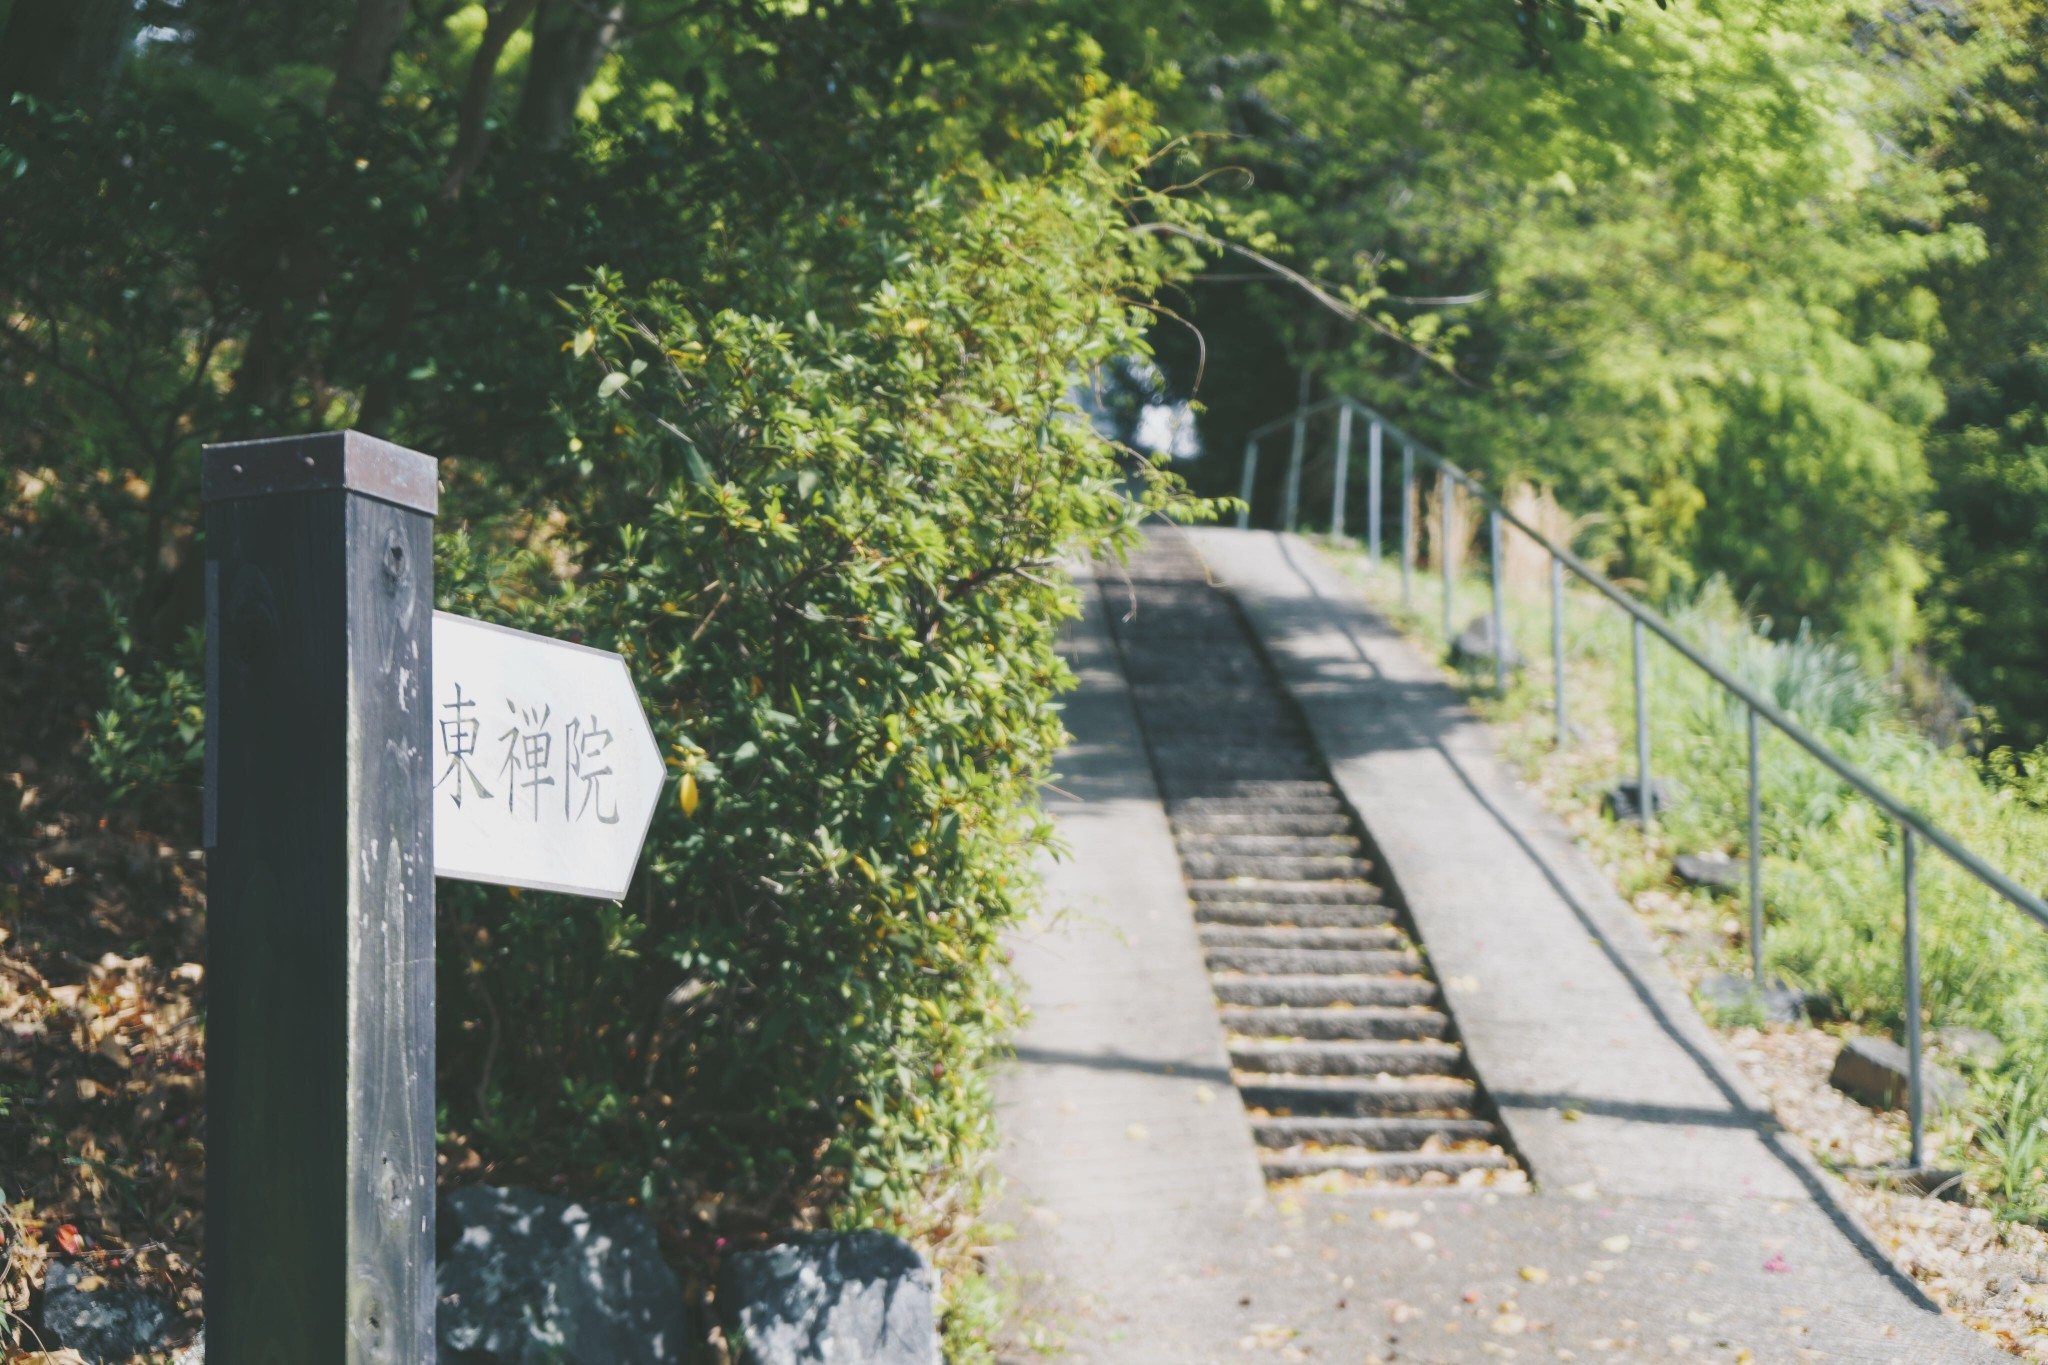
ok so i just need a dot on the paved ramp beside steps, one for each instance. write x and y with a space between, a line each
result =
1670 1221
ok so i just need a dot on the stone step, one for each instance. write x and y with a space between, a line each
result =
1258 821
1284 1096
1404 1133
1348 1057
1346 845
1231 807
1273 867
1149 666
1223 761
1233 793
1205 696
1390 1166
1336 1022
1319 992
1223 716
1313 961
1306 915
1283 891
1184 734
1378 938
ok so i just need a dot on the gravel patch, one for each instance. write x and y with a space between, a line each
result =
1992 1276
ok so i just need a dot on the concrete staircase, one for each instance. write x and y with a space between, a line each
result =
1338 1040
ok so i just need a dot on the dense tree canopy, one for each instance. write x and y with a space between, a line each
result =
1716 271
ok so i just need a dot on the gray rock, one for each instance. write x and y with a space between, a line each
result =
1873 1071
1936 1182
195 1354
1711 871
1971 1046
1776 1003
529 1279
103 1325
1474 646
858 1298
1622 802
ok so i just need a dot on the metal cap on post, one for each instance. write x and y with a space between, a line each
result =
320 902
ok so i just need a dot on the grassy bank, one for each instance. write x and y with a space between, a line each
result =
1831 862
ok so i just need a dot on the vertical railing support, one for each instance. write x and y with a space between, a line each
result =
1372 492
1557 648
1291 508
1443 550
1500 630
1343 474
1646 799
1251 470
1407 527
1916 1093
1756 858
320 902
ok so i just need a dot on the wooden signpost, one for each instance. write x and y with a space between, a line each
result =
345 769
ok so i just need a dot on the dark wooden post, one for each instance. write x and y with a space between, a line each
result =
320 903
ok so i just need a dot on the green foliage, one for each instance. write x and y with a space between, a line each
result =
831 549
801 448
1678 273
148 744
1990 453
2016 1142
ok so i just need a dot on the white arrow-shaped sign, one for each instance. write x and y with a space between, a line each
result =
545 772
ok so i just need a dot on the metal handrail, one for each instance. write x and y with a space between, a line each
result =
1910 821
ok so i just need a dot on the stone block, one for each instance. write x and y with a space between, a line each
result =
1711 871
109 1326
1623 803
529 1279
1873 1072
827 1298
1776 1003
1474 646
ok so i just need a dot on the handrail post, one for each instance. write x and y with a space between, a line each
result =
1342 476
1500 636
1916 1095
1756 860
1443 550
1251 469
1407 527
1557 647
1372 490
1291 508
1646 800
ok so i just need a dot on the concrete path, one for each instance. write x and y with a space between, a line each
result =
1128 1163
1671 1219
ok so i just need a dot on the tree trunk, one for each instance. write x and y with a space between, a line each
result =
270 361
365 56
472 140
569 40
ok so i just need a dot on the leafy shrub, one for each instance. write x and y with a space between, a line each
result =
830 544
148 743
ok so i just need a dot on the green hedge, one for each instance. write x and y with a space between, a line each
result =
832 551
